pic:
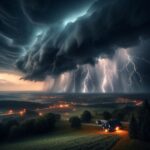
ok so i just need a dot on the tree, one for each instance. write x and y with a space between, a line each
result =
133 128
107 115
28 127
41 125
145 127
51 120
8 124
75 122
146 105
86 116
2 132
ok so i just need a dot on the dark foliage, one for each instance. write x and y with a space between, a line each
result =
145 127
123 114
7 126
15 133
14 130
107 115
28 127
2 132
75 122
133 128
86 117
41 125
143 122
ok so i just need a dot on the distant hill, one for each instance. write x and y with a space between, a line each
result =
20 104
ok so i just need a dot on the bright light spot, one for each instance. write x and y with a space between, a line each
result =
21 113
10 112
117 129
40 114
106 130
61 106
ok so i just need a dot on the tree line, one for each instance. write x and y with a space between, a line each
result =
13 129
139 126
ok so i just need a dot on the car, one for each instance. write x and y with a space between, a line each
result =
101 122
112 125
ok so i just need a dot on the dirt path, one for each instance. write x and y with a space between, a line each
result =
123 138
125 143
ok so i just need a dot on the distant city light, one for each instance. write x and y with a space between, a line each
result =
40 114
21 113
10 112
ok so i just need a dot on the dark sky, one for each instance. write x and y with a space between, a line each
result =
45 39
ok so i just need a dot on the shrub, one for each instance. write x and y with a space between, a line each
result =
51 120
143 114
107 115
2 132
57 117
75 122
7 126
15 132
28 127
145 127
41 125
86 116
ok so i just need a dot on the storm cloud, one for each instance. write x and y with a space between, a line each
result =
107 26
49 38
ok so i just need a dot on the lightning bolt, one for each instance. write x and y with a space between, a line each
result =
86 79
142 59
109 72
133 72
104 80
74 81
104 76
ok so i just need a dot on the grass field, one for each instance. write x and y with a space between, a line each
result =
95 111
87 138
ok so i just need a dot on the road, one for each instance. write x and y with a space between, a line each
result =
125 143
123 138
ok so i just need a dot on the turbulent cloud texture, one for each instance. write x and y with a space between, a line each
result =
34 33
106 26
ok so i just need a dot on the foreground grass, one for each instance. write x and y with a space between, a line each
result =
84 139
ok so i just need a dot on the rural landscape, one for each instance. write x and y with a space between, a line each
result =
74 74
59 121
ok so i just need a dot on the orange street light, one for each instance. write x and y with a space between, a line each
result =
40 114
21 113
117 128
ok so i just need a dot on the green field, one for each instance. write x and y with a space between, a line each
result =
75 140
95 111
